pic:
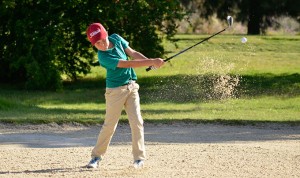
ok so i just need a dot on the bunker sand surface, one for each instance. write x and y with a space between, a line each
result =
174 150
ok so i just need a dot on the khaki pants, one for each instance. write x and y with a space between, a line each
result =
116 98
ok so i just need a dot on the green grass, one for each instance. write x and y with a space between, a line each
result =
47 107
267 68
265 109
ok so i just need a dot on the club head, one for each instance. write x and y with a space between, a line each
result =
229 21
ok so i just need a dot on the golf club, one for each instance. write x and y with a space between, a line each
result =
229 21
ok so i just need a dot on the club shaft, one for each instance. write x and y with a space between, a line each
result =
169 58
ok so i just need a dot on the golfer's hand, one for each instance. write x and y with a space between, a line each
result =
158 62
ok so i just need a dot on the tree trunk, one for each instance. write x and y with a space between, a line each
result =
255 18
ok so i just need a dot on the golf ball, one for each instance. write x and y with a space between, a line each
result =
244 40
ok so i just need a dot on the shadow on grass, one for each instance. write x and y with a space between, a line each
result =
183 88
38 115
269 84
176 89
195 88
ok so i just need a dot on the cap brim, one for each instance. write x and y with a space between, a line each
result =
98 37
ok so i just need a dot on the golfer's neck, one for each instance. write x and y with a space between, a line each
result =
111 45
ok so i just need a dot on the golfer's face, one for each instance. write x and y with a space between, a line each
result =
102 44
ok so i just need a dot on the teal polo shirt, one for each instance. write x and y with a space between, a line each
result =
110 58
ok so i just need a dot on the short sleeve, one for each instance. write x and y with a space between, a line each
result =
109 63
123 42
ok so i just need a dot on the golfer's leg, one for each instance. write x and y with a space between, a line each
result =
132 107
115 99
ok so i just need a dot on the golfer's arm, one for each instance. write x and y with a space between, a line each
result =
139 60
135 63
134 54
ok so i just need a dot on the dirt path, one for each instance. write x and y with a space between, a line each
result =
178 150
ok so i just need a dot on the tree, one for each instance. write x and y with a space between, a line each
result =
256 13
259 14
26 35
41 40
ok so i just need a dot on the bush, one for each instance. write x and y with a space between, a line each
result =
41 40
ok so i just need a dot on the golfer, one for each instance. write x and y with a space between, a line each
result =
121 91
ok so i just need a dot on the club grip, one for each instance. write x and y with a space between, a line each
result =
148 69
151 67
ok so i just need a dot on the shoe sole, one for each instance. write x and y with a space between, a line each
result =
138 166
90 167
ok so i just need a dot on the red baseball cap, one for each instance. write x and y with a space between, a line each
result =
96 32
